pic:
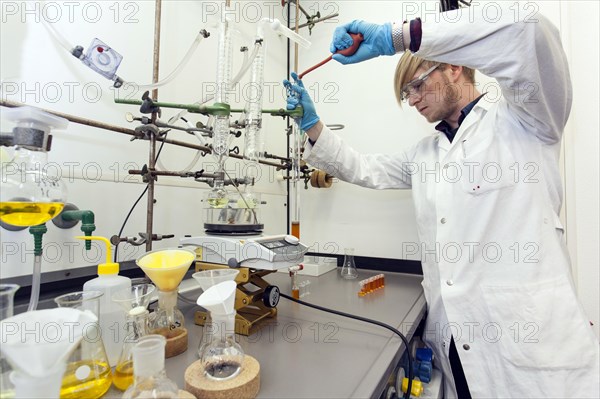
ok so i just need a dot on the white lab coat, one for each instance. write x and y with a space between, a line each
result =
495 264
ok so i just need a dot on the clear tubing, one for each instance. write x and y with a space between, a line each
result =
177 69
55 34
253 109
35 283
221 131
161 166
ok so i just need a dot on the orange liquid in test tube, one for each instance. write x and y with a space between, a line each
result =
296 229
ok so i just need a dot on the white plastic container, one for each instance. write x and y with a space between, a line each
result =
111 317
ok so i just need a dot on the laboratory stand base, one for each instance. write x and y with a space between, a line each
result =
177 340
247 321
252 313
244 385
185 395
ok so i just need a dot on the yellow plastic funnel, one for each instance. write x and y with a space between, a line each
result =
166 267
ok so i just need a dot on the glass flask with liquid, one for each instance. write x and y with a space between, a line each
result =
134 301
221 356
88 374
217 198
349 270
7 294
32 191
150 379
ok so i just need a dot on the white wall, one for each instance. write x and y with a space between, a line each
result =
36 71
581 143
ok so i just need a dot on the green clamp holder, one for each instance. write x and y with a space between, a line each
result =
38 232
71 215
220 109
217 109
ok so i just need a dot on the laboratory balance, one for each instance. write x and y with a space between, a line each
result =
233 241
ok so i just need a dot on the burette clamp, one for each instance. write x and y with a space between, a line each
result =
148 106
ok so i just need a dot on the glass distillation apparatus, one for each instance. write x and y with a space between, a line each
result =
30 195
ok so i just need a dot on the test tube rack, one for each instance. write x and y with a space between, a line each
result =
371 284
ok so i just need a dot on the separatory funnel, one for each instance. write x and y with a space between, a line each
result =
222 356
166 268
30 195
88 373
39 354
134 301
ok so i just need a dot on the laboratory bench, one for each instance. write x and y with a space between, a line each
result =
307 353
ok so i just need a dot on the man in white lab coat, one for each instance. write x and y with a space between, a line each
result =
503 318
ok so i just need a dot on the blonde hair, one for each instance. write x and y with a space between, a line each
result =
408 66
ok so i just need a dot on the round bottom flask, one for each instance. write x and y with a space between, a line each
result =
222 356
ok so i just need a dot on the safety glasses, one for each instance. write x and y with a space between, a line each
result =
414 86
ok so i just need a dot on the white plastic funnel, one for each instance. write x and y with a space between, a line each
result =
208 278
38 342
219 299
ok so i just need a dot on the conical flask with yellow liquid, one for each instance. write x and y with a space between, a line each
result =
166 268
88 374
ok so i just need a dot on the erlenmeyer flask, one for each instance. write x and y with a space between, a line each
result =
7 293
88 373
134 301
349 268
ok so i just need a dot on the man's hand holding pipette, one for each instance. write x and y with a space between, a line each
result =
377 41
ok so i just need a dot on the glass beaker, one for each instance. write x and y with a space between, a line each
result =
134 301
150 379
7 294
349 267
88 373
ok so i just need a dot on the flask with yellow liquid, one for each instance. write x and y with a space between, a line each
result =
32 190
88 374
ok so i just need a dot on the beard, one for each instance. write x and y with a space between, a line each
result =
445 105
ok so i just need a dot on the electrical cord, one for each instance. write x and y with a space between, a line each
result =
116 252
378 323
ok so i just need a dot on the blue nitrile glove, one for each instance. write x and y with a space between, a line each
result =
298 95
377 41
